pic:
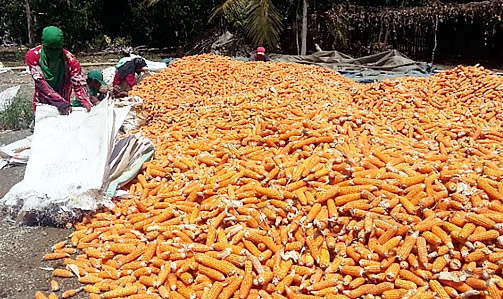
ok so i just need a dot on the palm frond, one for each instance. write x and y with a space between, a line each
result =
150 3
264 22
228 8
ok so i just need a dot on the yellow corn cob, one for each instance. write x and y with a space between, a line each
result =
121 292
62 273
485 236
357 282
54 285
69 293
354 271
40 295
344 199
406 248
215 290
405 284
493 291
439 263
247 280
264 278
467 230
92 289
394 294
444 237
54 296
409 276
431 238
392 271
438 289
324 257
493 193
223 266
476 256
481 220
391 244
476 283
186 278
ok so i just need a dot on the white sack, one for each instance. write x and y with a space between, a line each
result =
69 161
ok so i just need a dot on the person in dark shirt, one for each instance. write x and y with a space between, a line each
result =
125 76
259 55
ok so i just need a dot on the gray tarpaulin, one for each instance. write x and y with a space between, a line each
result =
379 66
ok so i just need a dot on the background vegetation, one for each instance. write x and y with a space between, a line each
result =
18 115
167 23
97 24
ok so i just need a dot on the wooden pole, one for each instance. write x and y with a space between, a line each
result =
28 22
303 33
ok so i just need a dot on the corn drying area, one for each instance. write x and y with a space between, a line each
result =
282 180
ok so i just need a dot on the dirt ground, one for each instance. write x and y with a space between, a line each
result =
22 248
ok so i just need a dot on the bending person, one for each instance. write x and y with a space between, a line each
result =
56 72
125 76
96 88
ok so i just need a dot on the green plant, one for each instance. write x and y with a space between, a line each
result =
18 115
341 29
263 22
121 41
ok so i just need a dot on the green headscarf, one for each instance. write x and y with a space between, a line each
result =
52 57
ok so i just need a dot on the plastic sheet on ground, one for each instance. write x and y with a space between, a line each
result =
108 75
5 70
69 164
151 65
375 67
135 118
7 96
128 156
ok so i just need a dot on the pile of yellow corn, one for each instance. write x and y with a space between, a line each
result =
274 180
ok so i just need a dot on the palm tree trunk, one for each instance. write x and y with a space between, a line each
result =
296 28
28 21
303 33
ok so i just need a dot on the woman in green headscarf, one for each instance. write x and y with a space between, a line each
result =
56 72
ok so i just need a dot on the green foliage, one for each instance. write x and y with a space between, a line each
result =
169 23
13 18
265 23
230 9
18 115
78 19
262 21
340 29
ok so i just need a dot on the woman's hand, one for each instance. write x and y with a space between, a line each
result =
87 105
65 111
94 100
